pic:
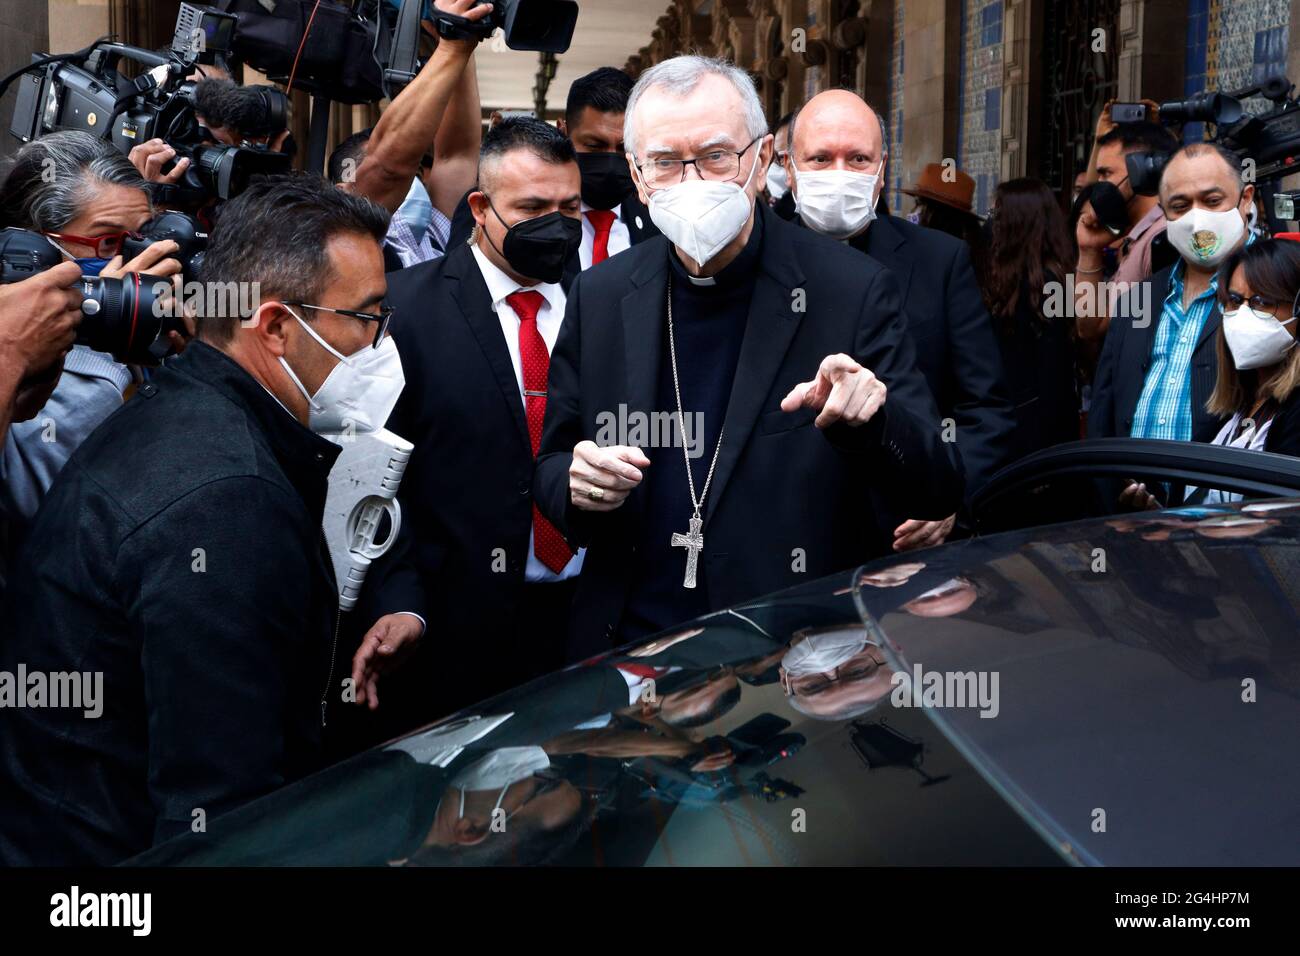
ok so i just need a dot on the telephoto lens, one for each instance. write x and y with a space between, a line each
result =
128 317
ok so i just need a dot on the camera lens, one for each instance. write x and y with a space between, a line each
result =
225 171
128 317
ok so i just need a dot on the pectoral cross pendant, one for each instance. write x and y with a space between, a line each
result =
693 542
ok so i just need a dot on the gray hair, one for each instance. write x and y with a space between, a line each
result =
53 178
679 77
880 119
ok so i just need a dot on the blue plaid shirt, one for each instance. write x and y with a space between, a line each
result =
1164 409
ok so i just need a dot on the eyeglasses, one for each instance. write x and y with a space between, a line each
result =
106 246
719 164
859 668
1258 302
384 317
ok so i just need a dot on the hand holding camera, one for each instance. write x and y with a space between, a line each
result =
38 319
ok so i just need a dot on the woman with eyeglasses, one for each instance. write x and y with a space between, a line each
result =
1258 381
85 197
1259 365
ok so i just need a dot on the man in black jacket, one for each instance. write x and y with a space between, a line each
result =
836 166
179 555
476 328
784 352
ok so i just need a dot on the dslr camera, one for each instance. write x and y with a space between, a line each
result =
127 317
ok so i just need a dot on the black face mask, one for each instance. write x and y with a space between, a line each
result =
539 248
605 179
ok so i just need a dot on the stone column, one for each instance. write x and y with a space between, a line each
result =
931 66
1152 49
1022 86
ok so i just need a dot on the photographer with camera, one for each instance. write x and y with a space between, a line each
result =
232 115
85 197
180 551
390 164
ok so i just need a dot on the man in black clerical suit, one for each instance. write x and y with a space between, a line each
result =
797 383
491 576
836 165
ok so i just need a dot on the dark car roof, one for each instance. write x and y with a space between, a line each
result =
1146 669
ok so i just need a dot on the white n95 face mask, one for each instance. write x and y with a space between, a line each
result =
502 768
701 216
1256 339
838 203
821 653
1205 238
359 393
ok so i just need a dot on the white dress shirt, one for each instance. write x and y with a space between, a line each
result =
619 237
549 317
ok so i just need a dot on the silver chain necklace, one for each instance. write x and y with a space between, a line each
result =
693 540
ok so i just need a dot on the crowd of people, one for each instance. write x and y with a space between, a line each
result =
837 379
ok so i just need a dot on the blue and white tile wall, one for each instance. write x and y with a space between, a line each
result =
979 127
1232 44
895 171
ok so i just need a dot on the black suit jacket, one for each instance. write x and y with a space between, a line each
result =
1126 356
466 494
956 346
213 682
780 484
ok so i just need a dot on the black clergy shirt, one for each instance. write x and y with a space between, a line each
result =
708 326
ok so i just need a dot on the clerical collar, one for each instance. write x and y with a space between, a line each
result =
743 269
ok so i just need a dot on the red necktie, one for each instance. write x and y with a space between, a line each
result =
548 544
601 221
642 670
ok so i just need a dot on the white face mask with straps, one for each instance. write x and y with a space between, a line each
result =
701 216
503 767
1204 237
359 393
1256 339
838 203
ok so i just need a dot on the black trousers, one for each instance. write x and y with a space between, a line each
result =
543 622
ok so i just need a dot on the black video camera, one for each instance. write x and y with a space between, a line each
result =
358 52
127 317
1271 138
542 25
85 91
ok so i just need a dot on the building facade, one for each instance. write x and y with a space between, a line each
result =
1003 87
